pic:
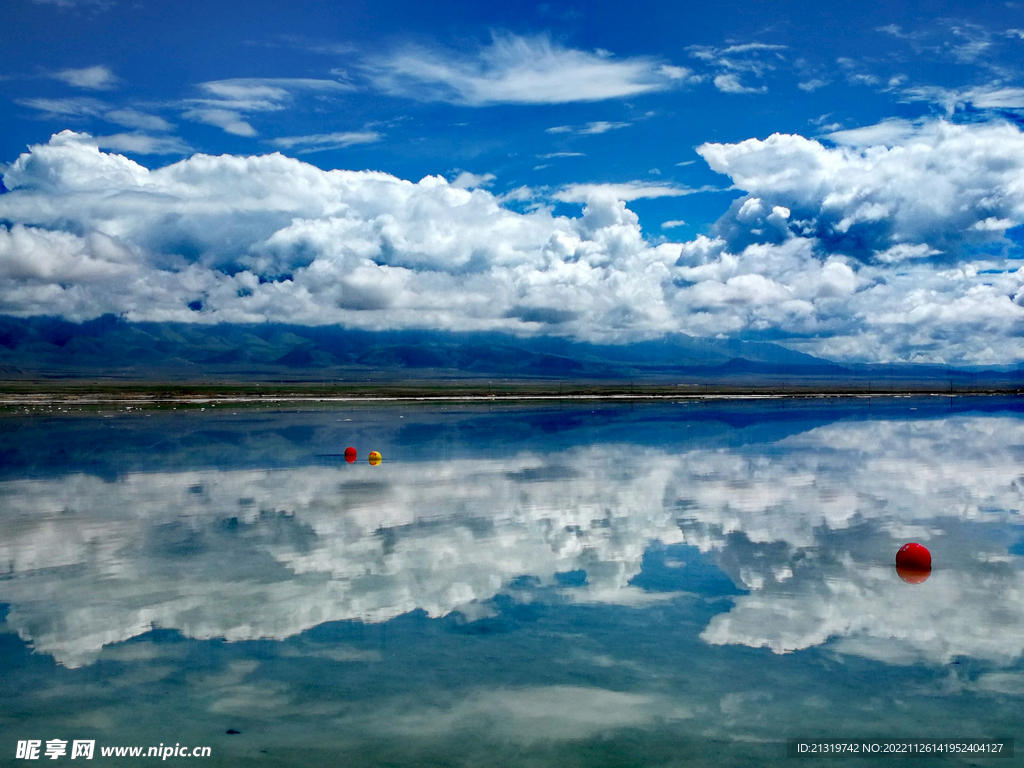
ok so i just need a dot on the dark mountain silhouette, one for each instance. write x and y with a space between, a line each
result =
46 347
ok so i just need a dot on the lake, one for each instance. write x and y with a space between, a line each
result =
681 583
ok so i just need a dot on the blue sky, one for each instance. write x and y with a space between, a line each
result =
879 244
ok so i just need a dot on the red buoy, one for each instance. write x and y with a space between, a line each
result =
350 455
913 563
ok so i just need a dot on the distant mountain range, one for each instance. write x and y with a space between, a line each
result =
109 347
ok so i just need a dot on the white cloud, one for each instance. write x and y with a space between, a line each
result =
226 102
97 5
631 190
995 98
992 96
82 107
519 70
229 121
932 185
751 59
132 118
865 250
749 47
326 141
359 247
673 223
679 73
63 108
552 155
601 126
589 129
269 92
730 83
887 133
96 78
467 180
142 144
812 85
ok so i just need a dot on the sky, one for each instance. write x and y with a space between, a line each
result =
847 181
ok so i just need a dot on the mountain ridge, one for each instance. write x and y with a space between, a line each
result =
47 347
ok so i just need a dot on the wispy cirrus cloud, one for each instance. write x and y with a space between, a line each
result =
139 143
75 107
626 191
96 78
133 118
588 129
520 70
730 83
226 103
994 96
734 62
95 5
81 107
322 142
812 85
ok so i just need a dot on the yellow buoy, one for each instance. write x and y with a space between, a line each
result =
374 458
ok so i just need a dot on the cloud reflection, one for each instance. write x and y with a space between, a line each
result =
807 524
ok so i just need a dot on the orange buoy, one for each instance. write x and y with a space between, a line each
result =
913 563
375 458
350 455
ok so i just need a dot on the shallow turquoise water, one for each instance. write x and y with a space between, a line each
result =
672 584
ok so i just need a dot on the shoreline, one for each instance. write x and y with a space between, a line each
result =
8 400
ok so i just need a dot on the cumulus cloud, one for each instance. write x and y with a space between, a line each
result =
519 70
932 186
269 236
96 78
865 249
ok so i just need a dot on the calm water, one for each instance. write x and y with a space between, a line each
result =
677 584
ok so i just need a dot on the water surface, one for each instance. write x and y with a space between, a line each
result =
669 584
